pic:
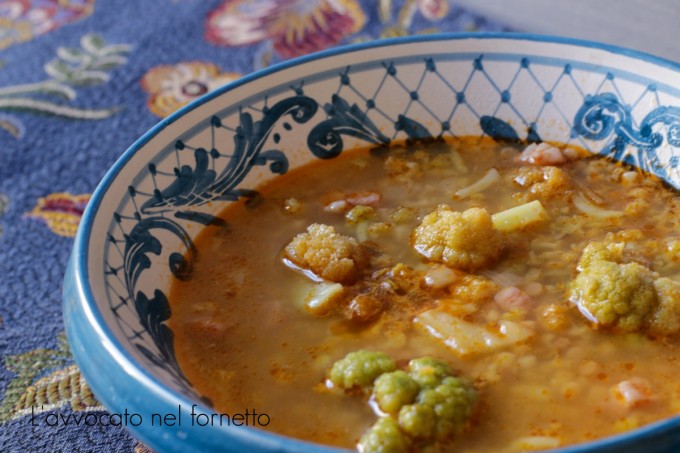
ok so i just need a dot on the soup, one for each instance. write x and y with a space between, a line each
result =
533 289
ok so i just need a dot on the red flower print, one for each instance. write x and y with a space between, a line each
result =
61 212
295 27
21 20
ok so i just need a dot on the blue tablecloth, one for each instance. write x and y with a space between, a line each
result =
81 80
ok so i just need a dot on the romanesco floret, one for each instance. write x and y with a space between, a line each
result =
429 372
384 437
418 421
328 254
417 408
614 291
453 402
463 240
360 369
393 390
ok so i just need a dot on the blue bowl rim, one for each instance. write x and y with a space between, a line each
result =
85 228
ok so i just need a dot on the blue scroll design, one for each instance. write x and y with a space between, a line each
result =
325 139
604 116
154 311
200 184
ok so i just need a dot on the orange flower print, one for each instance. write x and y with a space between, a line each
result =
21 20
295 27
173 86
61 212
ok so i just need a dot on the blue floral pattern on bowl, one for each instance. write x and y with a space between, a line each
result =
138 231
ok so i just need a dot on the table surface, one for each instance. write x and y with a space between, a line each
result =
80 81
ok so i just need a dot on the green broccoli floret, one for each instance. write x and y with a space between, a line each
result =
453 402
360 369
463 240
393 390
418 421
626 295
384 437
429 372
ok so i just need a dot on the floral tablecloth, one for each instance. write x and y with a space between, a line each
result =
80 81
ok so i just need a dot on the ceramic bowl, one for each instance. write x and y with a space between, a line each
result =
137 231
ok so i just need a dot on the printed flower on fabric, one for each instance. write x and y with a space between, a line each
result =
61 212
433 9
173 86
295 27
21 20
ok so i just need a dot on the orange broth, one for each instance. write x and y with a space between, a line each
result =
245 340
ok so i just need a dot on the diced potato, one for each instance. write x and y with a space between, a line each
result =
322 297
438 277
519 217
466 338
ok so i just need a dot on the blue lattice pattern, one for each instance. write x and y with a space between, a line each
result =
514 97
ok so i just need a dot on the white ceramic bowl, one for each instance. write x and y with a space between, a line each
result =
139 224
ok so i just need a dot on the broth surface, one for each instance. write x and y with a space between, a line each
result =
245 340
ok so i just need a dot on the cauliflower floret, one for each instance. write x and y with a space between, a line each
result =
453 402
360 369
602 251
393 390
614 294
626 295
666 318
474 289
384 437
542 183
463 240
328 254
